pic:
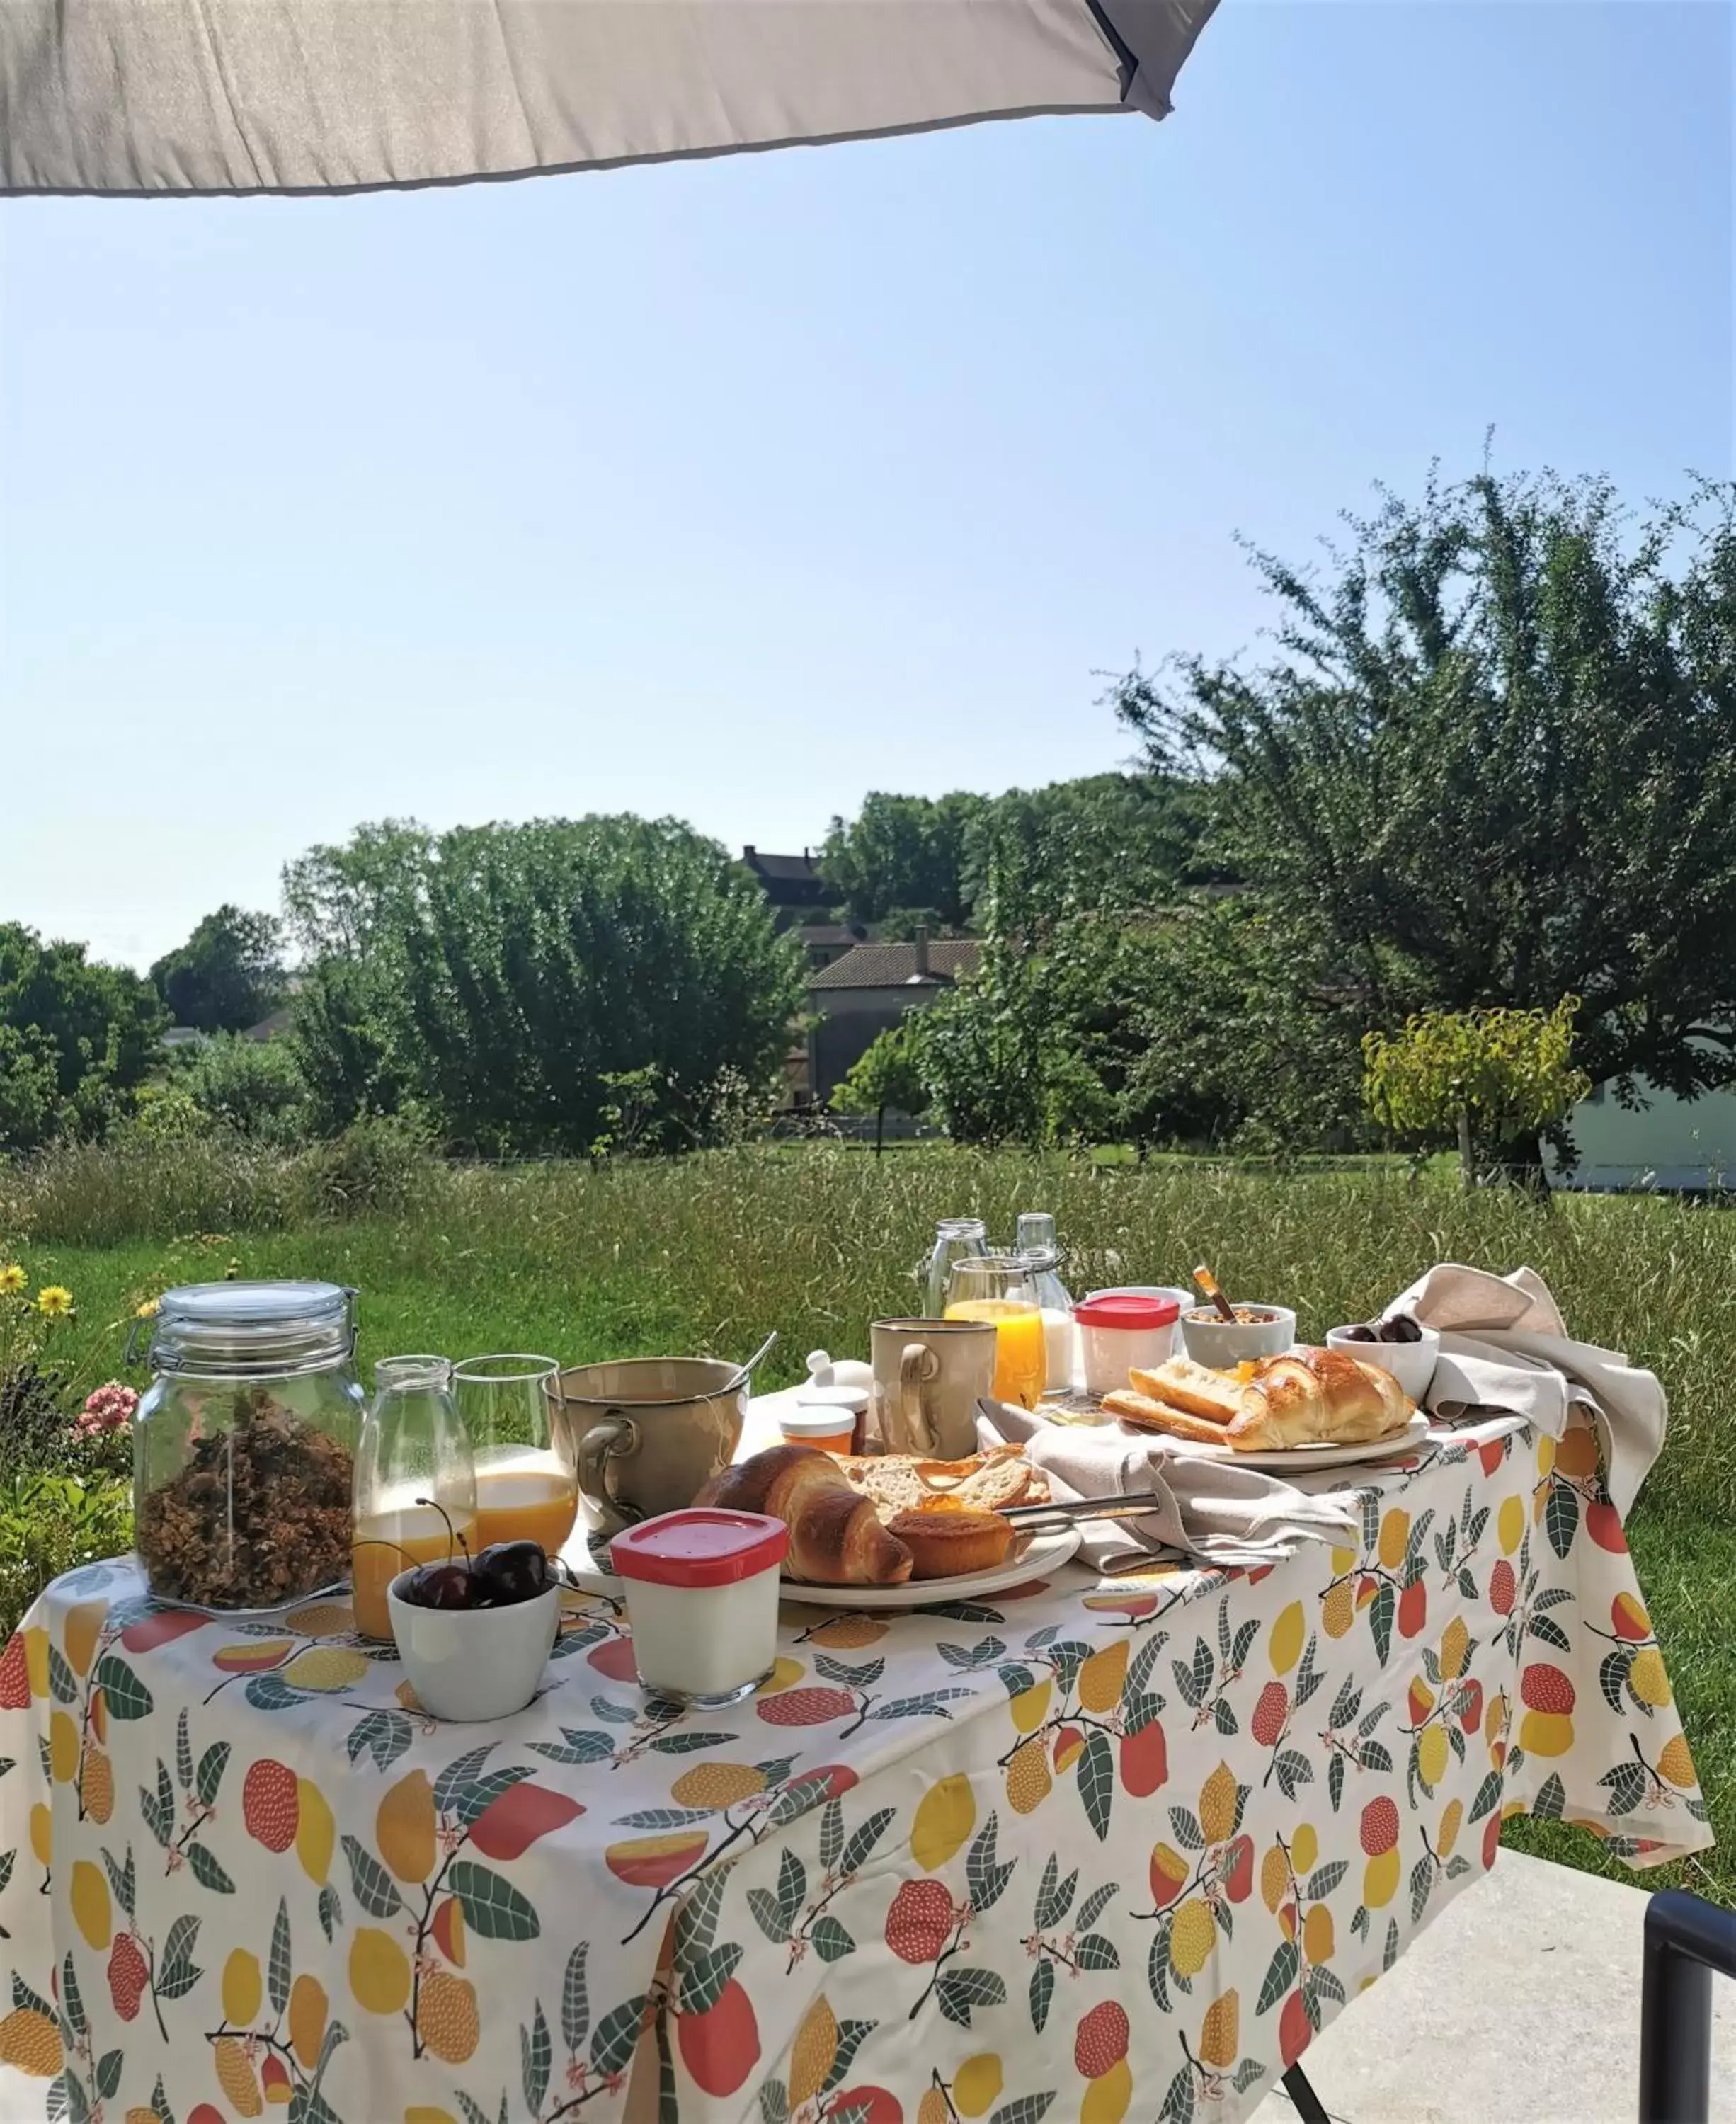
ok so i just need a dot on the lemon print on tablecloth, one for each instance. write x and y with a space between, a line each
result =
1319 1939
62 1748
1101 1677
1220 2031
235 2077
379 1972
811 2058
946 1815
716 1785
1217 1805
36 1660
315 1832
1028 1781
30 2043
1284 1646
1192 1939
84 1627
977 2084
446 2017
96 1786
242 1989
1648 1680
1031 1706
90 1908
1107 2099
327 1666
404 1828
307 2009
1510 1524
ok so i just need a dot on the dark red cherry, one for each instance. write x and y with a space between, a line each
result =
439 1585
508 1571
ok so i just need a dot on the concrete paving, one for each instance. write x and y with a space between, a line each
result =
1520 2004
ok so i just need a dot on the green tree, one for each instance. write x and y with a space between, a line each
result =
1490 756
902 852
75 1036
1454 1076
254 1086
886 1074
509 979
227 976
1127 842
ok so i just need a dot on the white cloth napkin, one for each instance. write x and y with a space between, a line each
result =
1504 1345
1212 1508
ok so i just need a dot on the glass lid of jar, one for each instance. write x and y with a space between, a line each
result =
257 1328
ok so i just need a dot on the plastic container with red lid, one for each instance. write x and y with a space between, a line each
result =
1120 1332
701 1602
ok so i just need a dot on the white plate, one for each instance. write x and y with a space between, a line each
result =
1293 1459
1040 1552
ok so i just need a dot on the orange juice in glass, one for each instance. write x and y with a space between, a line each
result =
394 1539
996 1288
526 1486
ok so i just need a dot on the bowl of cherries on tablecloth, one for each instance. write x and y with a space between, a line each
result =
474 1632
1398 1344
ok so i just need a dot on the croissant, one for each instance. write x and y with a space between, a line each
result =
835 1536
1308 1398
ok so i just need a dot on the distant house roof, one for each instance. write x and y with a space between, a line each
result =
182 1036
820 935
895 966
272 1027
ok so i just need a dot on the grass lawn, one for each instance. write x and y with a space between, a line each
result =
710 1253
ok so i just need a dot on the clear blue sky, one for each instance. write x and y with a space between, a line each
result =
733 490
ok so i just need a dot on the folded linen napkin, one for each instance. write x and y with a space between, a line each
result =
1212 1509
1504 1345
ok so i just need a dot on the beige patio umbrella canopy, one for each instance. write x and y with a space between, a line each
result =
165 96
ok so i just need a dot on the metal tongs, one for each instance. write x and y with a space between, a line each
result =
1044 1519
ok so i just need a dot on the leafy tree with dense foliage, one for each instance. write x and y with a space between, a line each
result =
887 1073
903 853
254 1086
75 1036
1492 755
509 979
1453 1076
227 976
1107 842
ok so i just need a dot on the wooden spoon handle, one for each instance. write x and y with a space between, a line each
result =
1209 1284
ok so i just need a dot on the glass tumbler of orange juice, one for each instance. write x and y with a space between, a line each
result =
415 1493
997 1288
526 1486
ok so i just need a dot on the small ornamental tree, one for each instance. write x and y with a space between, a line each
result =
885 1074
1492 1075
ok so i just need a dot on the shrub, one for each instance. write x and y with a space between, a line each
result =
49 1524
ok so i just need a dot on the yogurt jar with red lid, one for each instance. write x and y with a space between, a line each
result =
1119 1332
701 1602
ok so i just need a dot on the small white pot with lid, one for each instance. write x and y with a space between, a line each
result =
701 1602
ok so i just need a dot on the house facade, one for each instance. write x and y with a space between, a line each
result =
867 991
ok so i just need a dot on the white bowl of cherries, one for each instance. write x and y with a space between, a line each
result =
1397 1344
474 1632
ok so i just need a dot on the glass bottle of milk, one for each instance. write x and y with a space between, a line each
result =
1035 1242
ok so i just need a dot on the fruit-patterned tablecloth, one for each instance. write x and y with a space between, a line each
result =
1074 1849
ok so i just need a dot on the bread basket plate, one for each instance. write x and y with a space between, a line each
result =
1034 1555
1293 1459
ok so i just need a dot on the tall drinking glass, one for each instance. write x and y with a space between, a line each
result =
998 1288
955 1238
413 1449
526 1484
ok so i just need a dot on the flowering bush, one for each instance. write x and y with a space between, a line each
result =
107 1408
32 1421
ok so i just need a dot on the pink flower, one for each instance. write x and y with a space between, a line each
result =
109 1408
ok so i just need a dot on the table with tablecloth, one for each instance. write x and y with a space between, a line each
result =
1081 1847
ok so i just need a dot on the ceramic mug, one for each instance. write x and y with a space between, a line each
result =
648 1433
928 1377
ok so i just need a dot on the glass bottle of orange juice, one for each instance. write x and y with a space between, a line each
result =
414 1474
997 1287
526 1483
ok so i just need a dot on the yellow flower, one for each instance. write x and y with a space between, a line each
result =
12 1278
54 1299
147 1311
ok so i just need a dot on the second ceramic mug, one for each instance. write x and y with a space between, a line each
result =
647 1433
928 1377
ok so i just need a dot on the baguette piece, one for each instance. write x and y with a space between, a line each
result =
1194 1388
836 1535
1147 1413
1309 1397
